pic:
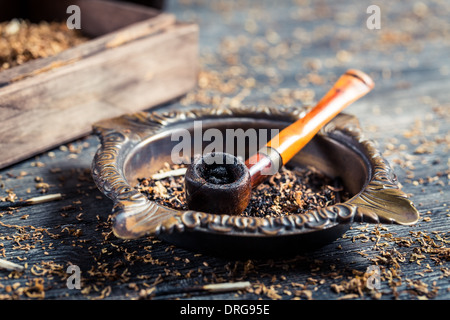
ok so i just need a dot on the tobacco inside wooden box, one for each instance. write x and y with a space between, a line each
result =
24 41
136 58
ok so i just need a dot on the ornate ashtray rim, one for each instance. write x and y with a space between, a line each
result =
134 216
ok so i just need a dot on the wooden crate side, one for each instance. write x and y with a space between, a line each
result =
60 105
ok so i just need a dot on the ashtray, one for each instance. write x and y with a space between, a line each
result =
137 145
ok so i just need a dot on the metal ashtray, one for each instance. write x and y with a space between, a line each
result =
138 145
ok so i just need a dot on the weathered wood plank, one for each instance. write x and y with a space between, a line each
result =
55 100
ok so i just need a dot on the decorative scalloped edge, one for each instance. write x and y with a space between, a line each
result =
135 216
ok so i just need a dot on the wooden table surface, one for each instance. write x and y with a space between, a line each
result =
262 53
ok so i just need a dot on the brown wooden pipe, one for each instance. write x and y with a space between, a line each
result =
232 195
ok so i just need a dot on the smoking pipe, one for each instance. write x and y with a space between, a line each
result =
221 183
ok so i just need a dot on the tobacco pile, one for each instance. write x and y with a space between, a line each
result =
22 41
289 191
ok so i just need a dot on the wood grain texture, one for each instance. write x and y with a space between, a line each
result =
51 101
407 115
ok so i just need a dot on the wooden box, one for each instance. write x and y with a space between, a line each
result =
137 58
